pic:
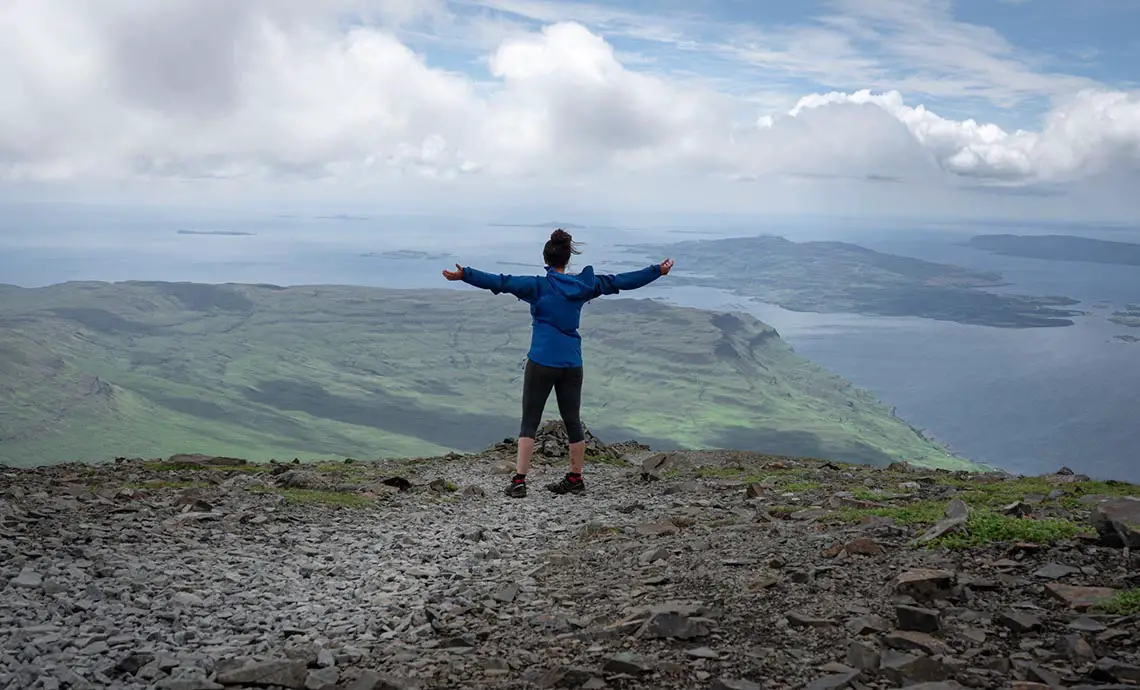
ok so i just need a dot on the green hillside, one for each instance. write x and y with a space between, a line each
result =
90 371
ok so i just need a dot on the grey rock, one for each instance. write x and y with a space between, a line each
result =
1078 597
919 619
656 465
1017 509
1077 649
27 579
1019 622
371 680
734 684
867 625
863 656
673 624
1040 674
908 669
133 663
835 681
322 679
507 594
924 584
957 508
565 677
910 640
1112 671
190 681
1118 521
1086 624
652 555
803 620
1055 571
627 663
289 673
951 525
702 653
656 529
187 599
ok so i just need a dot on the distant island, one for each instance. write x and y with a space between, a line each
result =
839 277
228 233
1059 248
552 224
409 255
1129 316
343 216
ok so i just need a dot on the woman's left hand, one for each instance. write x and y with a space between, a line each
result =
457 274
666 266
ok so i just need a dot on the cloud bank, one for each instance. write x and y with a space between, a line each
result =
262 90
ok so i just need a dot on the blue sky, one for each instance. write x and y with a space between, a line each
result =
1095 41
480 101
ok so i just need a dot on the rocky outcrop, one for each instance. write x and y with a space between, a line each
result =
683 570
551 444
1118 521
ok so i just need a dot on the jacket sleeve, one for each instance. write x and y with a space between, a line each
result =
523 287
613 284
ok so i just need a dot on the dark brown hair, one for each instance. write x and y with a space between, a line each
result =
558 249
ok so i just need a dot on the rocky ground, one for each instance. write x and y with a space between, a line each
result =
712 570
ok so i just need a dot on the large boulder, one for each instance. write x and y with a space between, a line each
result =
1118 521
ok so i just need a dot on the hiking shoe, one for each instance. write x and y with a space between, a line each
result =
516 489
568 485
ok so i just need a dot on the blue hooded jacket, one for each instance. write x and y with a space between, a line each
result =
556 301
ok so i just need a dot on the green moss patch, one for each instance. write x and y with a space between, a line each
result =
1125 603
991 528
917 513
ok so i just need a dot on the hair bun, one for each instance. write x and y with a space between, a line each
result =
560 236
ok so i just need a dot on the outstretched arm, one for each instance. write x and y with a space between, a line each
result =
523 287
613 284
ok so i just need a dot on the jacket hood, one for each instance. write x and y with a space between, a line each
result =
573 286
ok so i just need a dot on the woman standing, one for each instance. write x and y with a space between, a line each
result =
555 357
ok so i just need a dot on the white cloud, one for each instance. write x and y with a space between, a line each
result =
1083 135
261 90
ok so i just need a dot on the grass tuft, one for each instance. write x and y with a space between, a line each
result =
993 494
917 513
991 528
1125 603
252 468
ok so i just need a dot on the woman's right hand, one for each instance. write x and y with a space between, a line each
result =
457 274
666 266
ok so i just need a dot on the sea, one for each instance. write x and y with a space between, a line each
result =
1028 401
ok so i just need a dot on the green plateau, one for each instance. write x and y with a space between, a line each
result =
91 371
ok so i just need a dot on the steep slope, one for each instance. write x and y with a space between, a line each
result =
319 371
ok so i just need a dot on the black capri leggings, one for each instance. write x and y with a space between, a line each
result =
567 385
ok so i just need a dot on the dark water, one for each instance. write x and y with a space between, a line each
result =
1024 400
1028 401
